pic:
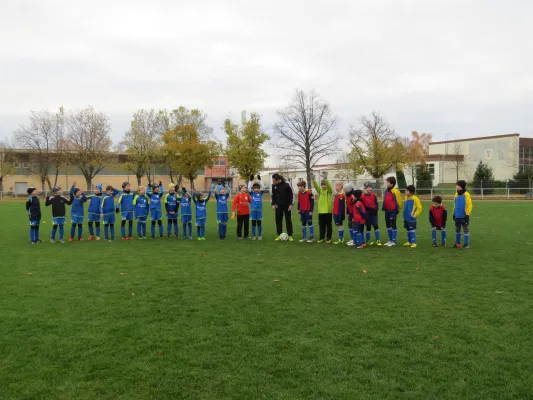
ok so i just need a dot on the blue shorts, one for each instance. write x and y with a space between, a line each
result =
371 220
35 222
155 214
338 219
142 219
358 227
256 215
391 215
222 218
127 216
306 218
200 222
91 217
76 219
186 219
58 220
461 222
409 225
172 216
109 219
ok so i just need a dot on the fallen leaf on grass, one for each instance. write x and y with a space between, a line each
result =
363 271
172 273
418 269
276 280
133 294
30 273
160 353
123 273
436 337
498 292
529 243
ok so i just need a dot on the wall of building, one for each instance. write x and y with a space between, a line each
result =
499 152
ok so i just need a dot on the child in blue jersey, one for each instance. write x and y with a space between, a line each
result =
33 207
256 191
186 213
155 193
201 213
77 196
172 206
58 213
222 212
141 202
93 212
107 212
462 209
412 208
125 206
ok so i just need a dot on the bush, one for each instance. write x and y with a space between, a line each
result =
401 182
423 180
483 177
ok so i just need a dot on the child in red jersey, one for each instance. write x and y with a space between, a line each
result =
437 217
350 203
306 204
241 204
339 210
359 218
371 205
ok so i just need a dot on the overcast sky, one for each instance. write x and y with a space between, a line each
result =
457 66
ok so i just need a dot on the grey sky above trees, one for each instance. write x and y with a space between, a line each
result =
461 67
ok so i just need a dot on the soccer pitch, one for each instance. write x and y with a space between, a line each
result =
173 319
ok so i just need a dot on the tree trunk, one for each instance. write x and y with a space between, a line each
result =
56 176
43 180
192 184
1 184
89 183
49 183
180 179
138 179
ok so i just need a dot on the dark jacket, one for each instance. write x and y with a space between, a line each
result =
282 194
33 206
58 205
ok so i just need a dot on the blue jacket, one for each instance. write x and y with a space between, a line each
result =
77 209
140 204
462 205
185 204
155 198
108 203
411 208
222 203
95 203
33 206
125 202
257 198
201 206
172 202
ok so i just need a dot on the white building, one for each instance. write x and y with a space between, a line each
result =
451 160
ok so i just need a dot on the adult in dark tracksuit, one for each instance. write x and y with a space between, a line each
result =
282 203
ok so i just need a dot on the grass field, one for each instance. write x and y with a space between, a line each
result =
172 319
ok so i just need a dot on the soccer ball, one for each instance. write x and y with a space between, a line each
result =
284 237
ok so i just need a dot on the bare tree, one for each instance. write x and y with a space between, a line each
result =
143 141
456 160
376 146
88 141
60 153
305 132
39 139
6 162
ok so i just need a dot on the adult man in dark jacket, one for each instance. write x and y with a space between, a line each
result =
282 202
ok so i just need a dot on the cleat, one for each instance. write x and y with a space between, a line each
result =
413 246
32 242
62 241
200 239
130 237
291 239
370 243
248 237
302 240
350 243
258 238
339 242
311 241
392 244
435 244
328 241
277 239
124 238
81 239
457 246
97 237
466 247
152 237
183 238
443 245
176 236
360 247
364 244
190 237
239 238
320 241
203 238
254 238
91 238
38 241
378 243
407 244
71 239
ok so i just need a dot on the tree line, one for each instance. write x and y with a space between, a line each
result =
181 140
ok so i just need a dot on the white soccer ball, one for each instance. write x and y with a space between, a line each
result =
284 237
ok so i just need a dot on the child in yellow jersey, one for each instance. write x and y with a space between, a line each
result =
412 208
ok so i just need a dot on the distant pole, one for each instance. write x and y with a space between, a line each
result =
243 117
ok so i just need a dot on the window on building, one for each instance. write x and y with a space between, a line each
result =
431 169
220 163
25 165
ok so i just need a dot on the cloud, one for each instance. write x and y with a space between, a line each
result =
460 67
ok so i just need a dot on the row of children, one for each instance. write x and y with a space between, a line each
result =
361 209
140 206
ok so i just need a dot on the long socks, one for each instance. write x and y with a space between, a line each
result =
80 231
91 229
98 229
341 234
72 230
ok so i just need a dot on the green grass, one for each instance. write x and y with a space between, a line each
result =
172 319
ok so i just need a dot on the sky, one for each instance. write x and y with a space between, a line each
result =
455 68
